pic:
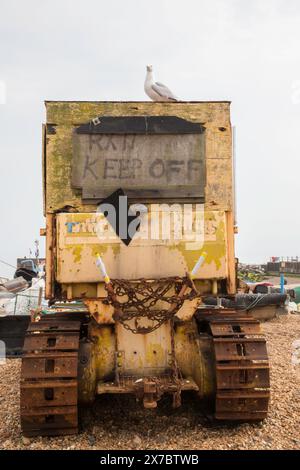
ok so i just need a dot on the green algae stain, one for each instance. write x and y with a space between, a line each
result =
116 248
215 250
98 249
103 248
76 252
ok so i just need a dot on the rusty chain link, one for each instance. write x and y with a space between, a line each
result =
142 296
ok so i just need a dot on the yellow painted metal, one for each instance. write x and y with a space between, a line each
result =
71 262
79 240
144 355
114 350
96 360
194 356
78 244
75 235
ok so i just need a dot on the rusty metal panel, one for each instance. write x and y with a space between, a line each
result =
49 393
50 365
53 325
242 377
49 384
240 328
242 403
51 341
242 369
240 349
42 421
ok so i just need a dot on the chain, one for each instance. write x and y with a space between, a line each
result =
142 296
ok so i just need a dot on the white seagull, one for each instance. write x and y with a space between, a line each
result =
155 90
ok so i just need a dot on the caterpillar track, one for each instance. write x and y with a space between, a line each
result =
49 388
241 365
49 375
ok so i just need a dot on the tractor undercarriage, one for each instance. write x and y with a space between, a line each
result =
148 351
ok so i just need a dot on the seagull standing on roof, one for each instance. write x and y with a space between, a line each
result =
155 90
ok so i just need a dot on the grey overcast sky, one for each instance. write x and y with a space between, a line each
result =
244 51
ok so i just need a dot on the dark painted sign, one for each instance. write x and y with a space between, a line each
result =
151 164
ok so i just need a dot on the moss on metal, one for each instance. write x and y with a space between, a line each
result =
65 116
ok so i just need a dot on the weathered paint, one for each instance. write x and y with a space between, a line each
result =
65 116
96 360
73 261
194 356
151 258
102 312
144 355
111 350
214 245
50 256
160 166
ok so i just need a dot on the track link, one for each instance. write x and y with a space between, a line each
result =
241 366
49 387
